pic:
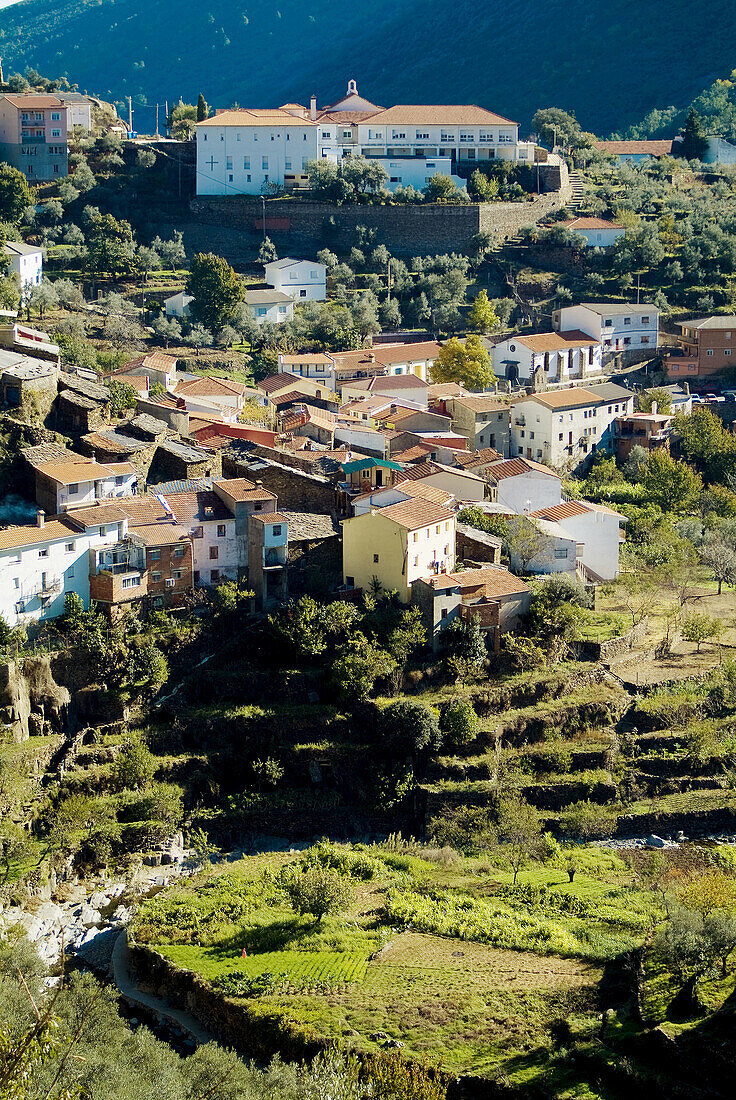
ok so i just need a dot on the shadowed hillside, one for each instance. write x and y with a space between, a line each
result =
611 61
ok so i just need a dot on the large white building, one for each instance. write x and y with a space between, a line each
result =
621 326
246 150
561 428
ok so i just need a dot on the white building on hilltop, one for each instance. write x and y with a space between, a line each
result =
247 150
25 261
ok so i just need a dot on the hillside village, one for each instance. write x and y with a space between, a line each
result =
367 611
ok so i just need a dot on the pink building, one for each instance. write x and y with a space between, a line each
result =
33 135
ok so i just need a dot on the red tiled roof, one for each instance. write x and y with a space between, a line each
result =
514 467
591 223
414 514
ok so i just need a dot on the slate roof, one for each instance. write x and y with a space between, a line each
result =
310 526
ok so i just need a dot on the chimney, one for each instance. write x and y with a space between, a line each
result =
370 357
40 517
148 383
313 108
655 408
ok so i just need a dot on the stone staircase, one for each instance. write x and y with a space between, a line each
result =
576 185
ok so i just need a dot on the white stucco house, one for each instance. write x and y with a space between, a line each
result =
211 525
559 357
178 305
523 486
41 563
617 326
303 280
596 232
596 531
25 261
269 306
561 428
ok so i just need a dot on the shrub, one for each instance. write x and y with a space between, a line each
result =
316 891
459 723
587 819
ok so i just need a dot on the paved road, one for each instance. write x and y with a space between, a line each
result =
128 989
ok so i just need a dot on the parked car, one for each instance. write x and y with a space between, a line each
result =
730 395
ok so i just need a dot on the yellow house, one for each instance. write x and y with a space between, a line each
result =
397 545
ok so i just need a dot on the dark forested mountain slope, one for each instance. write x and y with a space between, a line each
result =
611 61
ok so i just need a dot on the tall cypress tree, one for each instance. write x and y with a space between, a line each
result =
203 109
694 138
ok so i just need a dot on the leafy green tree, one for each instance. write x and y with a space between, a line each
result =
483 187
671 484
552 123
183 120
699 627
216 289
267 252
110 247
15 194
317 891
203 110
122 396
409 728
721 559
662 398
459 723
134 767
694 138
492 524
482 316
519 831
464 644
468 364
586 820
441 189
358 666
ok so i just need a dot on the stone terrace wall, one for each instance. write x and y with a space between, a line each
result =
307 226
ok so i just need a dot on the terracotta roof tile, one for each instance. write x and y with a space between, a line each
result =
414 514
515 467
54 528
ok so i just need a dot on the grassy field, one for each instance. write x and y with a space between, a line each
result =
373 974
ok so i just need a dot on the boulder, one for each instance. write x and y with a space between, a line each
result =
89 916
656 842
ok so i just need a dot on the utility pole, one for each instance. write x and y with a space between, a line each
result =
638 286
263 201
157 120
130 115
166 120
388 280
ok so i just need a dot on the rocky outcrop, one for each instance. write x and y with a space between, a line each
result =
31 702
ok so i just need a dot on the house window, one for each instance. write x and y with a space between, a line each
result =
197 533
375 559
221 530
560 553
214 575
277 528
422 135
229 163
246 164
131 582
645 320
214 553
44 553
627 320
155 555
178 551
69 548
196 576
264 163
155 577
56 133
177 574
73 488
443 613
55 116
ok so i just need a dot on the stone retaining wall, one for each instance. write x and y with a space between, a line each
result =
304 225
